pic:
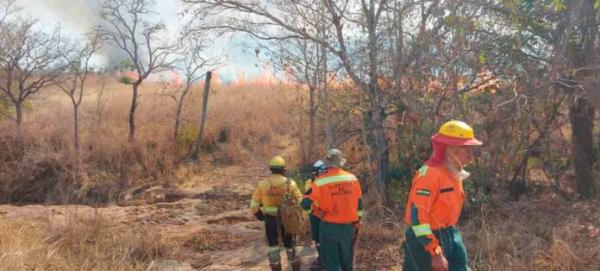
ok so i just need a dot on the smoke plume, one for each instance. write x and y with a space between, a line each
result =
83 16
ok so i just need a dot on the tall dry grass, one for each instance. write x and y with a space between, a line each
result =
246 124
529 235
78 244
534 235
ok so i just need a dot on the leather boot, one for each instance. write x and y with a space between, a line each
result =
276 266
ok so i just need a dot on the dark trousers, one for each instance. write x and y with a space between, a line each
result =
314 227
453 247
314 230
336 245
272 230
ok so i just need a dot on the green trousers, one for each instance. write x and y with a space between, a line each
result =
336 245
417 259
315 221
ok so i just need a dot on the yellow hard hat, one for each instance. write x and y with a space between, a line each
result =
456 133
277 162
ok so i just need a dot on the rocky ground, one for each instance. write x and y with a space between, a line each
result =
205 225
206 222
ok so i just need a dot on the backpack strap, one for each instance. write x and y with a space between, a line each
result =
279 222
288 187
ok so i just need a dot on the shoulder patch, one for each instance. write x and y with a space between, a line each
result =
423 192
423 171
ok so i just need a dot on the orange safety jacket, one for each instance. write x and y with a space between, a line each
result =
435 202
314 210
336 197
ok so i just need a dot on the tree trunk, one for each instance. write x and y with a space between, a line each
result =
381 145
196 153
19 113
580 40
132 112
311 122
177 120
76 127
378 116
322 76
582 124
180 108
303 146
325 101
399 44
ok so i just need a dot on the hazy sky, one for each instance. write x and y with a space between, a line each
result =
78 16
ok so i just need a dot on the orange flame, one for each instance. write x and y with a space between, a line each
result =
264 80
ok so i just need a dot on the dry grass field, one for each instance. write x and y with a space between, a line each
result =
207 227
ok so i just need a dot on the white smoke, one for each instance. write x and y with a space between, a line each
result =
79 17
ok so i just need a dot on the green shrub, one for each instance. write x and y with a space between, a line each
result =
7 108
299 177
126 80
187 136
400 181
397 192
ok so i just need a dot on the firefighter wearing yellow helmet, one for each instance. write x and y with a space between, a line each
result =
435 201
266 200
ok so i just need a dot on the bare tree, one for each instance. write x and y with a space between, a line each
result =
323 73
73 84
277 21
299 60
190 65
580 48
7 8
30 61
567 47
127 27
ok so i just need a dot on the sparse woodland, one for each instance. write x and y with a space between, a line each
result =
374 78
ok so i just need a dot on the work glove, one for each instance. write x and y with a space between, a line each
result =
308 192
259 215
439 263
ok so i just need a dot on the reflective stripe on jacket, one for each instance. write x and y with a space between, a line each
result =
268 193
435 202
336 194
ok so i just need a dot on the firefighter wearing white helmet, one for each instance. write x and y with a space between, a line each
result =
266 200
318 168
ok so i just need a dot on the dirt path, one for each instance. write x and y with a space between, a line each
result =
205 225
207 221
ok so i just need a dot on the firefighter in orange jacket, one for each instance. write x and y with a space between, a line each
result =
435 202
317 168
265 204
338 198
